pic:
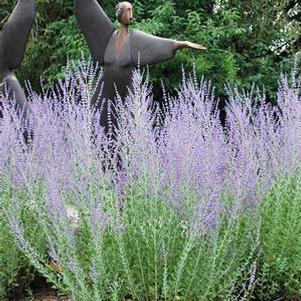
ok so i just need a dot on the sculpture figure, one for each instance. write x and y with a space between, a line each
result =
13 40
119 52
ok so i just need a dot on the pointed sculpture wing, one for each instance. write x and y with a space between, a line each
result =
95 25
16 31
149 49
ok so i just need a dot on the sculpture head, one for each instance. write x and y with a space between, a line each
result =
124 13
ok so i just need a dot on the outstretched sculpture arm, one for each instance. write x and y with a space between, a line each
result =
15 33
147 49
95 25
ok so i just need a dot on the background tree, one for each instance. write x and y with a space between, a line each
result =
247 41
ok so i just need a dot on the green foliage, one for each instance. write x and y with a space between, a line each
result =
14 267
155 254
247 41
152 253
16 272
280 270
69 45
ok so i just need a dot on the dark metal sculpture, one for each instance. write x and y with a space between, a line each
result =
119 52
13 40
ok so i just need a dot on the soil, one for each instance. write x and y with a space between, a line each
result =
41 291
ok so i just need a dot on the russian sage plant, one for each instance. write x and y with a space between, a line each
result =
166 207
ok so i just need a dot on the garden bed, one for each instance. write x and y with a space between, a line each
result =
183 208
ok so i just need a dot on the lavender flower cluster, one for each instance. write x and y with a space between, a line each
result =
183 156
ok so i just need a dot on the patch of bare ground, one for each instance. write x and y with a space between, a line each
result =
41 291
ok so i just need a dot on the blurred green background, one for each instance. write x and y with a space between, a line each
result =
248 41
